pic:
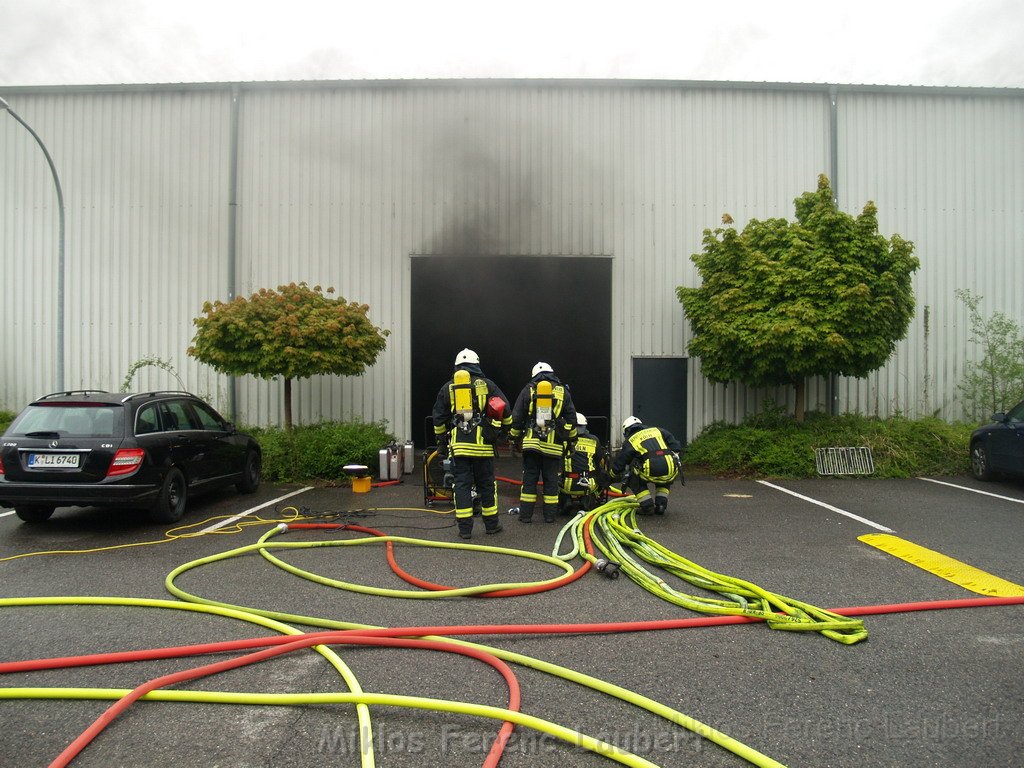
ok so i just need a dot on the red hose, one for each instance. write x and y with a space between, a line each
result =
32 665
422 584
699 621
417 582
293 643
931 605
391 637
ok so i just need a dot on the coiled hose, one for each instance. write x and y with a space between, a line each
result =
619 538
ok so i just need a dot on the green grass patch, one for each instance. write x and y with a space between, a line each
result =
773 444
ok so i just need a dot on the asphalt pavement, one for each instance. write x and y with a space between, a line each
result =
933 688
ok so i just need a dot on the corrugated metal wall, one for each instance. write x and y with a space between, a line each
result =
946 172
145 187
340 184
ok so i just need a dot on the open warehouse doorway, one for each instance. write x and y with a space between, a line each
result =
513 311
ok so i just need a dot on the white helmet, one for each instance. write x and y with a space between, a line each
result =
581 420
541 367
467 356
629 422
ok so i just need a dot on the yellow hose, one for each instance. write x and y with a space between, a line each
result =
727 742
275 620
615 533
377 699
362 712
262 545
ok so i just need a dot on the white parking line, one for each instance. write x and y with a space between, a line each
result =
973 490
230 520
852 516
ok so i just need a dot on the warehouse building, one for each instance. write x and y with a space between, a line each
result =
529 220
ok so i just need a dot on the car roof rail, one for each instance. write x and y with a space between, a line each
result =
157 392
69 392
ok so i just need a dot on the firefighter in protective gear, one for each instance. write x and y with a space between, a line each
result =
543 420
584 474
469 416
651 456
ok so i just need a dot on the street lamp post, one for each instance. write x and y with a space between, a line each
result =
5 107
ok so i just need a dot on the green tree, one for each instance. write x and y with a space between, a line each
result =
996 382
781 301
293 332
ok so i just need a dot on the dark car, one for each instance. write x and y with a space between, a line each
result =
998 448
92 448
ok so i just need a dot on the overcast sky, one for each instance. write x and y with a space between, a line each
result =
892 42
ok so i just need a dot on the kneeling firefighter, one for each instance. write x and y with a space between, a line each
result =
651 455
469 415
584 471
544 419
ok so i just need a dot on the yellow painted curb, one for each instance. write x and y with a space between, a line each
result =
943 566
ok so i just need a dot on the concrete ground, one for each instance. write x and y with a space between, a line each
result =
936 688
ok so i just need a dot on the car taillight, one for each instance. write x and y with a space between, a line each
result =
126 461
1 467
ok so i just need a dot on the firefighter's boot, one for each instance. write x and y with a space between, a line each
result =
525 511
492 524
466 527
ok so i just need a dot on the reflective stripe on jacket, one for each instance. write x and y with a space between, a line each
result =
580 466
475 438
563 420
650 455
585 457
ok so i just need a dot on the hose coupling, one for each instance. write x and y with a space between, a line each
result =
282 527
608 568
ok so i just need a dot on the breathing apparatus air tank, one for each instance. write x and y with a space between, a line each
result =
545 406
463 388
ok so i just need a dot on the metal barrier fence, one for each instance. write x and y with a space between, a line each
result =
844 461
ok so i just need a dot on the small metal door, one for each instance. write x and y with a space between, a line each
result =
659 393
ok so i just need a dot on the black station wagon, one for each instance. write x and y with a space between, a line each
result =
90 448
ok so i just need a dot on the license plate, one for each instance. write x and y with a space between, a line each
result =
52 460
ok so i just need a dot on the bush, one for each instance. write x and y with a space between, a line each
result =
772 444
319 451
995 382
6 417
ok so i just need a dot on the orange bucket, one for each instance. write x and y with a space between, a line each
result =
361 484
